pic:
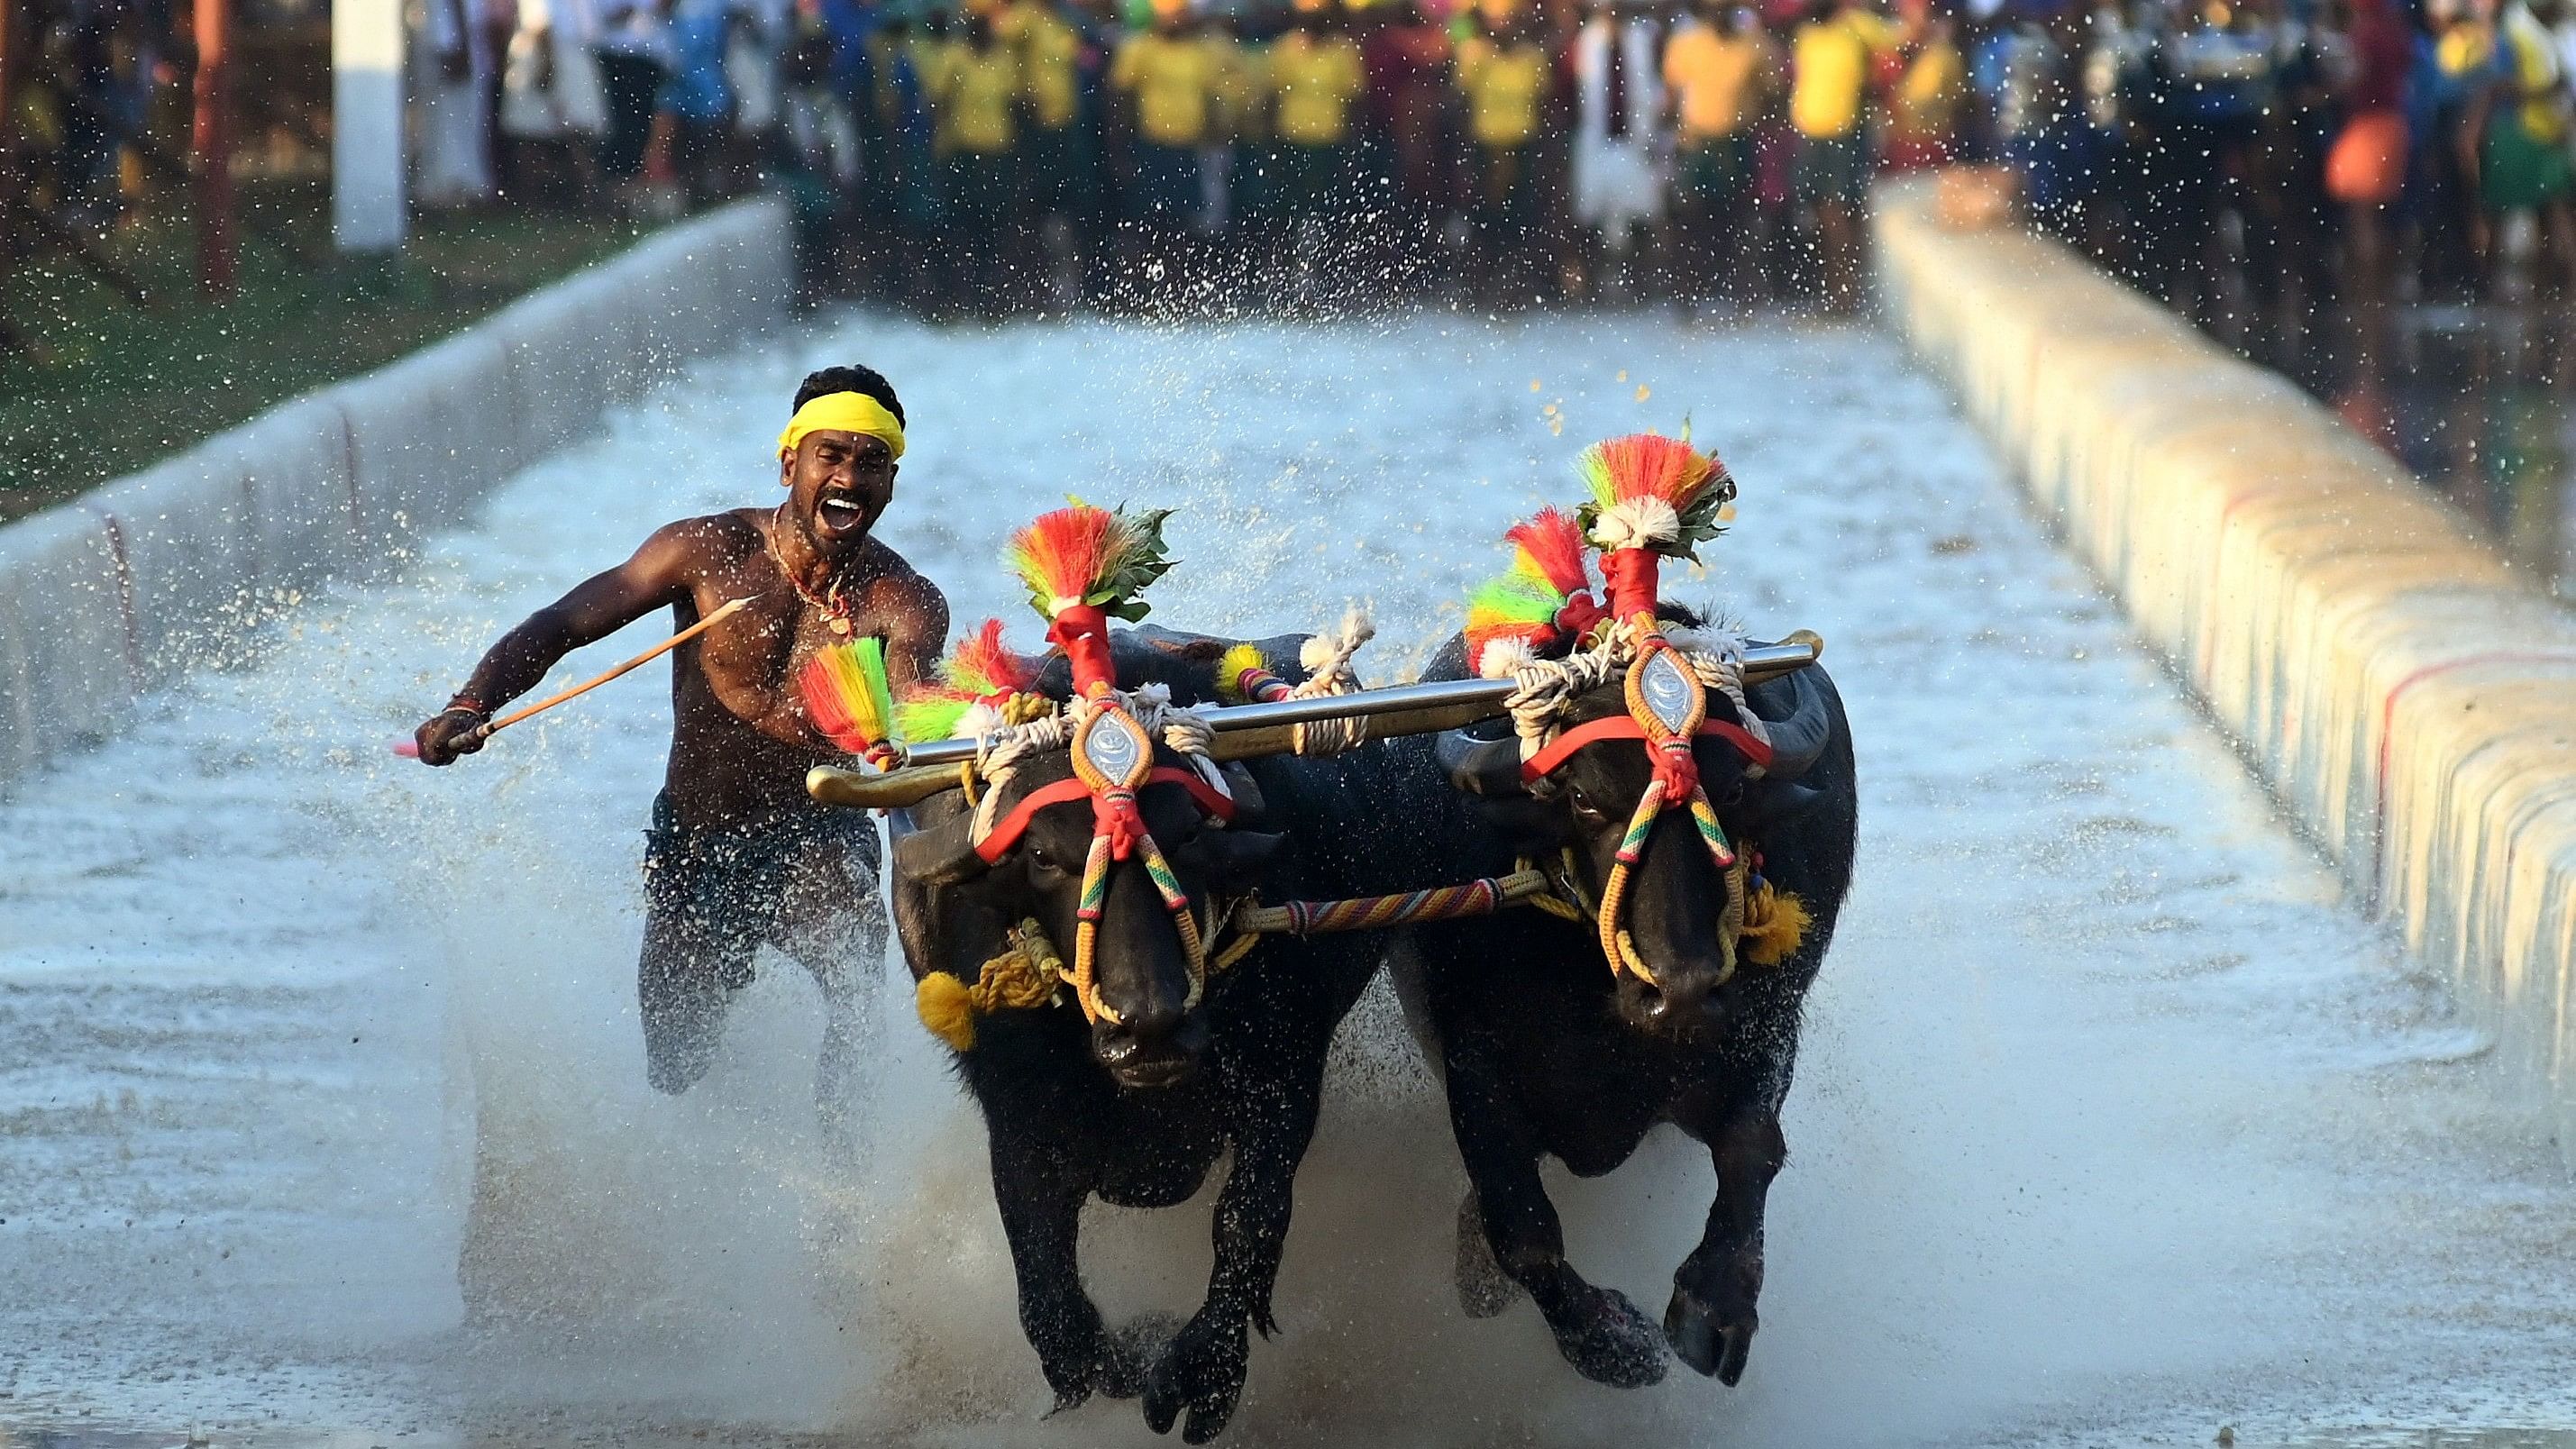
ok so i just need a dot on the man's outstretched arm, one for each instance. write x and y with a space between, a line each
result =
656 577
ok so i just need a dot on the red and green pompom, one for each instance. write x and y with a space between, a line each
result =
1098 557
1653 492
980 671
1545 597
846 696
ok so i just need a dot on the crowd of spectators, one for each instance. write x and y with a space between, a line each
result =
2254 157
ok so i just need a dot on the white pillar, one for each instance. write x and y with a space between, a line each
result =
367 210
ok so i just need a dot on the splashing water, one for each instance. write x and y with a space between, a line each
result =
323 1103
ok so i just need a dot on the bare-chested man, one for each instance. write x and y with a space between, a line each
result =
738 855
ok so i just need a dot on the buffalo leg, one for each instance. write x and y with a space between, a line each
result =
1202 1370
1711 1318
1041 1203
1606 1337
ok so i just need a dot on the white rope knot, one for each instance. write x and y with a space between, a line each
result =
1717 656
1327 658
1547 688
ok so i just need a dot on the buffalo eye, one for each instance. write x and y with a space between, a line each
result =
1583 804
1045 861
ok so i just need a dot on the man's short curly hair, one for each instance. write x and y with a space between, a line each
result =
866 381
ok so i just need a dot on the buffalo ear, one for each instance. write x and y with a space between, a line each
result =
939 855
1249 803
1235 859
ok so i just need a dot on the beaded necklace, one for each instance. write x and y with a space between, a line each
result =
834 609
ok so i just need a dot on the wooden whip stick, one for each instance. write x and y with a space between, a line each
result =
487 730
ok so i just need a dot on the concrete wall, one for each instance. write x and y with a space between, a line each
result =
2412 700
106 596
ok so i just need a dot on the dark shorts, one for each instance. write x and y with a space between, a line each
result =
714 893
1311 180
981 189
1715 173
1832 168
1049 169
1166 190
2520 171
1506 185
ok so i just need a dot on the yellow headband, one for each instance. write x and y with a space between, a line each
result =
850 412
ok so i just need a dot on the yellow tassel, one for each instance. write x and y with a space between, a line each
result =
1024 976
1775 925
1230 668
947 1007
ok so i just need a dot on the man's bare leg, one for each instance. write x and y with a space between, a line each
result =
832 922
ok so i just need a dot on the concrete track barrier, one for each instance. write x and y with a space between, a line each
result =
105 596
2407 696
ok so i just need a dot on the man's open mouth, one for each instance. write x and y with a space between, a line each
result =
840 512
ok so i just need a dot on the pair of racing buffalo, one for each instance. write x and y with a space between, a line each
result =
1545 1047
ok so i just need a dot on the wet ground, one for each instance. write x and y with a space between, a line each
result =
321 1111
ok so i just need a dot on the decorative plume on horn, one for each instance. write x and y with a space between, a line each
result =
975 681
1653 492
1545 598
846 697
1084 566
1096 556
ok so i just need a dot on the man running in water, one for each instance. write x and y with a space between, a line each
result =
738 855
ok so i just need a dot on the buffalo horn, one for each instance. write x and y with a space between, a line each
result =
1481 767
941 854
893 790
1798 741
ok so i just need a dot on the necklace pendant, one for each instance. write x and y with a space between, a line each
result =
840 626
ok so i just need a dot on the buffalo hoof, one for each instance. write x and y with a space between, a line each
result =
1709 1339
1609 1340
1111 1365
1483 1288
1132 1345
1201 1371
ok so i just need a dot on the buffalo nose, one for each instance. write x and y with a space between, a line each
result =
1681 1000
1139 1033
1155 1046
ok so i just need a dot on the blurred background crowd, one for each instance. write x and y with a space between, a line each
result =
2371 194
2249 160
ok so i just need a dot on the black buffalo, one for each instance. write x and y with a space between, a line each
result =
1137 1112
1544 1051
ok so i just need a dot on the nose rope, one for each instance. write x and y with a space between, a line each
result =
1669 727
1109 738
1086 929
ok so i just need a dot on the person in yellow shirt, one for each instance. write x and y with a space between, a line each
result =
1923 112
1048 50
1315 81
1829 90
1168 83
1719 69
972 85
1505 77
1237 91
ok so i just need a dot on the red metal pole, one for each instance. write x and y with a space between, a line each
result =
213 137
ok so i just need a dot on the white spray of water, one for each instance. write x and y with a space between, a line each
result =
2109 1118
